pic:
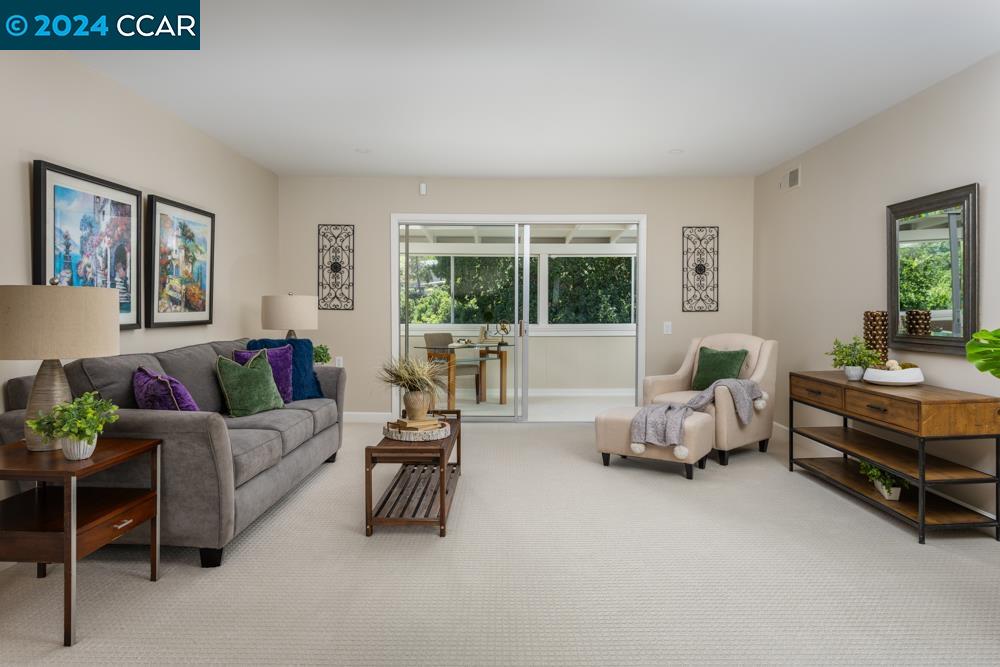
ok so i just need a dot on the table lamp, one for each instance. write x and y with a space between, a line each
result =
52 323
289 311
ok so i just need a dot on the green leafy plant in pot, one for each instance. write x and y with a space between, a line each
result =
321 354
854 357
418 379
74 426
887 484
983 350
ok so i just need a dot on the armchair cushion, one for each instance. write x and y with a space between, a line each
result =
717 365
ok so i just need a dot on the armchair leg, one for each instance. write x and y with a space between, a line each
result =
702 461
723 457
606 457
211 557
689 471
762 445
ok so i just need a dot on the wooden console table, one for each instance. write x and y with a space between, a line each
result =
922 412
57 522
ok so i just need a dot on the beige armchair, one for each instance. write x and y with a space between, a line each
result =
761 365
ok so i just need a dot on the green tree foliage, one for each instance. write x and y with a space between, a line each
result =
925 276
590 290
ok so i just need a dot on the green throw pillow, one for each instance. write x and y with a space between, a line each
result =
250 388
717 365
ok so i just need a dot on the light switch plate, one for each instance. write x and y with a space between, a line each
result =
338 362
668 327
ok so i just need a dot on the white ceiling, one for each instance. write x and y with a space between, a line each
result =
550 88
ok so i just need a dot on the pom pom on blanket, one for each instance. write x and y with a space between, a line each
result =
761 403
638 447
680 451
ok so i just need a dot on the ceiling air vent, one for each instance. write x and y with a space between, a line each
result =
792 178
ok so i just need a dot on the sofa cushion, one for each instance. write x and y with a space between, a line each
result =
194 366
254 451
294 426
324 411
304 382
682 397
716 365
158 391
280 359
111 377
248 389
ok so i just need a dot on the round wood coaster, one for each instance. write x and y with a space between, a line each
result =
417 436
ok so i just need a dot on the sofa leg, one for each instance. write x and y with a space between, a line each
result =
332 459
702 461
210 557
624 457
723 457
606 457
762 445
689 470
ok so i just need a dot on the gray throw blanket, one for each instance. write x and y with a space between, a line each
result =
663 424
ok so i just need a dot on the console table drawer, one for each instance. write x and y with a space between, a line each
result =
881 408
817 392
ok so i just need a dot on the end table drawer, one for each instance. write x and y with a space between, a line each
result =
820 393
881 408
110 529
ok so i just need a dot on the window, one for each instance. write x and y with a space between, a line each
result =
591 290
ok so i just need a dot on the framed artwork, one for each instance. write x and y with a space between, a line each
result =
85 233
336 267
700 269
180 264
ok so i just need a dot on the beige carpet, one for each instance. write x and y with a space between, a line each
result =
550 559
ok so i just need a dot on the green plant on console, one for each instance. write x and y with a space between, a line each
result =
854 353
983 350
878 476
81 419
321 354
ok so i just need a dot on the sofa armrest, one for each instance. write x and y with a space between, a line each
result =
333 384
197 484
654 385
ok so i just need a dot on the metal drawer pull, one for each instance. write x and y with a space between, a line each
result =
814 392
879 408
119 526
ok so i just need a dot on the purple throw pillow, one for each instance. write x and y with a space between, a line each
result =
161 392
280 360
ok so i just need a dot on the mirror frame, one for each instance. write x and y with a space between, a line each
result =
968 198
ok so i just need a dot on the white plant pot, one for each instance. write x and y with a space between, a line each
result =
887 493
854 373
78 450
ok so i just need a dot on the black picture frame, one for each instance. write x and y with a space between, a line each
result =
155 318
43 227
967 197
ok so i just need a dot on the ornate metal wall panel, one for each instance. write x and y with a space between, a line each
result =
700 270
336 267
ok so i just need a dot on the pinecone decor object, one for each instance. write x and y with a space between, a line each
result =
918 322
876 332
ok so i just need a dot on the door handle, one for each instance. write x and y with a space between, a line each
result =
520 328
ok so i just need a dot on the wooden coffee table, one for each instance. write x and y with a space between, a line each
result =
57 522
421 492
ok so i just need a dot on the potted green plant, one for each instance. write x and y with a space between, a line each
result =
983 350
854 357
321 354
74 426
887 484
418 379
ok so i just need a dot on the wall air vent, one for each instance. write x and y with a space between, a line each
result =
792 179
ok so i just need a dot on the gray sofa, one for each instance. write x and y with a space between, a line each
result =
219 473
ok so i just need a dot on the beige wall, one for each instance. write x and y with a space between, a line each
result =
362 336
56 110
821 248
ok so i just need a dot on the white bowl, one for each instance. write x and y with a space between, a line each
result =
906 376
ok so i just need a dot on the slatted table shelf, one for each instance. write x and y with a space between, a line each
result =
413 496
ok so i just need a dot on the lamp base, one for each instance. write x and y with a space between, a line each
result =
50 388
291 334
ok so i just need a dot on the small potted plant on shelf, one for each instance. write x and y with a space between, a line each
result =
74 426
887 484
419 380
321 354
854 357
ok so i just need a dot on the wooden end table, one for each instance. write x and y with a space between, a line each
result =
421 492
60 522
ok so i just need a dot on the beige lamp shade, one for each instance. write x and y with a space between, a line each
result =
48 322
289 311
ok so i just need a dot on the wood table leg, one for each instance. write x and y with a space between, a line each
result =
451 381
503 375
481 387
369 527
442 493
69 561
40 568
154 523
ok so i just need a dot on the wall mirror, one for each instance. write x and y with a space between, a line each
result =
933 280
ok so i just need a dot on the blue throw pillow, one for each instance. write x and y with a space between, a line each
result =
304 382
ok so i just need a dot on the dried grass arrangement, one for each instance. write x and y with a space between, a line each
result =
413 374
